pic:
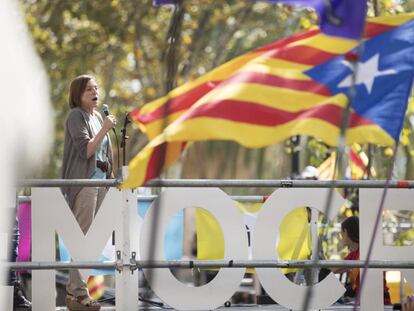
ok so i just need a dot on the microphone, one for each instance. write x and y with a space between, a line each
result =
105 109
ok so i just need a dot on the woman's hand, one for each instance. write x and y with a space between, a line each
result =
109 122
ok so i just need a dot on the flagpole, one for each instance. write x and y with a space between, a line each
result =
362 279
294 143
369 151
353 59
172 40
369 164
376 9
377 222
378 219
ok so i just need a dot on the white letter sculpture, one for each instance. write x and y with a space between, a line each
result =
397 199
265 239
52 214
226 282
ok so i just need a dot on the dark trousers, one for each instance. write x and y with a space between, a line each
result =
13 279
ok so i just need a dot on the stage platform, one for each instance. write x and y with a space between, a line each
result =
243 308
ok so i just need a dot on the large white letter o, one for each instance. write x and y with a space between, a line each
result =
227 281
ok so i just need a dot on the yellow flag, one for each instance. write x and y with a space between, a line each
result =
294 243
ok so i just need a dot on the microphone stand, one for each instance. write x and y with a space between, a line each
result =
124 136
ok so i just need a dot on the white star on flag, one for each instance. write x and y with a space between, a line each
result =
366 74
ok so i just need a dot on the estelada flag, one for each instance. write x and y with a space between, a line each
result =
296 86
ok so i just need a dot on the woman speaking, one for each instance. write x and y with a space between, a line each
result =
87 155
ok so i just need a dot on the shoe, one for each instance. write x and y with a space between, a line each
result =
82 303
19 299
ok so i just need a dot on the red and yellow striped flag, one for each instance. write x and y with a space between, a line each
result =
327 168
96 286
358 163
257 99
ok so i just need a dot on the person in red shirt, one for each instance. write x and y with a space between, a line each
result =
350 237
408 305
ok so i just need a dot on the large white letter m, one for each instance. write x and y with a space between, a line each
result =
51 214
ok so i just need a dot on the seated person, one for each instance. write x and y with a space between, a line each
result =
19 296
350 237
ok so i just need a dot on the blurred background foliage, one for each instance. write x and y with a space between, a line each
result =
126 45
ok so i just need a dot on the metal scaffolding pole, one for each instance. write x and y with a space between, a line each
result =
224 183
152 197
140 264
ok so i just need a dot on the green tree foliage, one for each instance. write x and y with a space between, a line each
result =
125 45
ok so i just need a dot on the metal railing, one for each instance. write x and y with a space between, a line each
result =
152 197
224 183
209 264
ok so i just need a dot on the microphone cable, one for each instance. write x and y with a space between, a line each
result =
106 113
124 137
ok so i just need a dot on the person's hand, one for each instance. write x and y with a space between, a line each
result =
408 305
109 122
